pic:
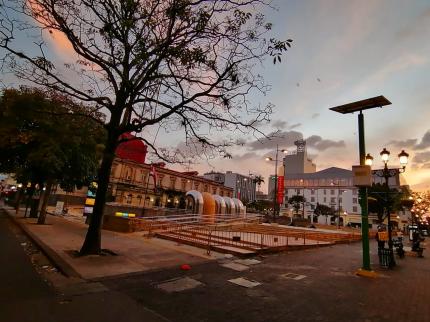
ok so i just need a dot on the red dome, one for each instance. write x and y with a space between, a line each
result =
134 149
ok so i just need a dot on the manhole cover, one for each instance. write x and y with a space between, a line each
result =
293 276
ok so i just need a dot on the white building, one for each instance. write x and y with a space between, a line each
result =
331 187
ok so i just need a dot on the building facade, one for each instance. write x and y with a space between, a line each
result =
146 185
244 187
332 187
298 161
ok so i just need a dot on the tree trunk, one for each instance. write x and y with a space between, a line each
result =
92 243
45 198
18 199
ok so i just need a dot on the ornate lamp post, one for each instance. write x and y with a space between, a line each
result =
387 173
275 203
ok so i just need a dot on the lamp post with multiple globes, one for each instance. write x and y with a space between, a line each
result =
387 173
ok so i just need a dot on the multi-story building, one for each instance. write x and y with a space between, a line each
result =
135 182
298 161
244 187
332 187
148 185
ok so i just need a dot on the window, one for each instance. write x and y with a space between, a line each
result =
332 191
354 200
325 191
297 191
354 192
312 199
312 207
312 191
340 200
354 208
129 198
332 200
325 199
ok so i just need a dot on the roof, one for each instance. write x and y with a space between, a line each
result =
368 103
133 149
328 173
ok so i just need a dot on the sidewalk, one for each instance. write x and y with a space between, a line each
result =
60 238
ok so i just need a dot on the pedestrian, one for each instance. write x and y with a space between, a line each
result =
381 242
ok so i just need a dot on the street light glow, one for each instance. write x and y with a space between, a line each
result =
385 155
403 157
369 160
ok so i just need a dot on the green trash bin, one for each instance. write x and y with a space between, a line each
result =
386 258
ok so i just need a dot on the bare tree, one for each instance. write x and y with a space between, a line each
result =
185 64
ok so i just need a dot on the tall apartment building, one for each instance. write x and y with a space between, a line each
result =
244 187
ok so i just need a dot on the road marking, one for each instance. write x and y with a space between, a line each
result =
235 266
244 282
247 261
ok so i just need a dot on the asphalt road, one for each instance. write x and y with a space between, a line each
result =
26 297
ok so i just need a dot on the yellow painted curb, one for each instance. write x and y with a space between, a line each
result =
365 273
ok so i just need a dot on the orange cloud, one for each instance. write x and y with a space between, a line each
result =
61 44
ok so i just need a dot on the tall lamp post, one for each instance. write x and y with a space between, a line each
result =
339 191
353 107
275 193
387 173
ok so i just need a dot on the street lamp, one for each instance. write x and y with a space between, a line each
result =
339 191
348 108
387 173
275 203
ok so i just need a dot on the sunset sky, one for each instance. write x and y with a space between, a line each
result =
343 51
346 51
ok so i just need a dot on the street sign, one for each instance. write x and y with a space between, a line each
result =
362 175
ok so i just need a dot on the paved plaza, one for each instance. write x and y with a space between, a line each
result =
310 285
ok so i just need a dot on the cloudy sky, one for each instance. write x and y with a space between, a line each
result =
343 51
346 51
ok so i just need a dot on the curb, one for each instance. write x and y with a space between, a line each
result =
52 255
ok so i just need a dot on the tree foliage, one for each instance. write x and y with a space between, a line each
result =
258 180
323 210
296 202
44 139
382 200
181 65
